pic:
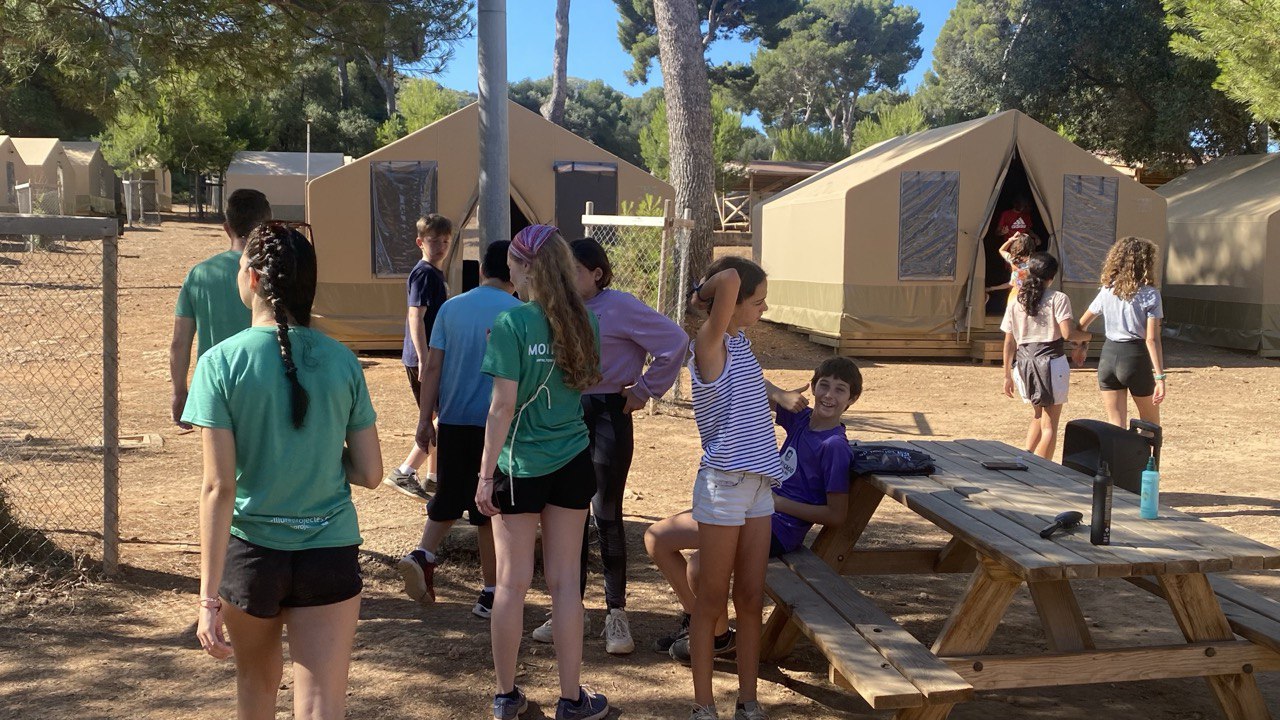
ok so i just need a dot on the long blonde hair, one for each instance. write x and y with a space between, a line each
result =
551 284
1130 264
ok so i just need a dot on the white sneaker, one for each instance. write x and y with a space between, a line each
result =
542 633
617 633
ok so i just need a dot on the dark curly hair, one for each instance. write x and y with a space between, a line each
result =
1041 268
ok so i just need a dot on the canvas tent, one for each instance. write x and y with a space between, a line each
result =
93 182
49 174
889 251
1222 275
148 190
281 176
13 172
363 213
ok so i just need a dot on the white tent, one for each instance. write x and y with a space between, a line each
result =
48 172
93 182
13 172
281 176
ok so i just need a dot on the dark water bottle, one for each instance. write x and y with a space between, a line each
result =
1100 523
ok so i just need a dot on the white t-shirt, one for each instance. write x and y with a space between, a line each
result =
1126 320
1041 327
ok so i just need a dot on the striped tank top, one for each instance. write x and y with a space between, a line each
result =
734 421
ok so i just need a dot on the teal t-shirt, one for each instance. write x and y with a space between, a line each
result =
209 295
291 489
547 431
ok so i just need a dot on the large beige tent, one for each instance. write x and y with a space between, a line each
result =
1222 276
281 176
49 174
14 174
889 252
93 182
363 213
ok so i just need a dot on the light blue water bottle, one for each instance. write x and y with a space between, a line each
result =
1150 502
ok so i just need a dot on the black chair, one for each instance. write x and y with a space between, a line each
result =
1087 443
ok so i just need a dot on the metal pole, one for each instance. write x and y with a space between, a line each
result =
308 176
110 409
495 181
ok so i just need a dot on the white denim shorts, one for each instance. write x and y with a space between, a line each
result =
731 498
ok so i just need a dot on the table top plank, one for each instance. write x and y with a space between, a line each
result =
1179 529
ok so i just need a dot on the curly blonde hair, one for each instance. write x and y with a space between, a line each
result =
551 283
1130 264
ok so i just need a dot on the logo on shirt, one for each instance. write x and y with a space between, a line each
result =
789 461
538 349
1019 224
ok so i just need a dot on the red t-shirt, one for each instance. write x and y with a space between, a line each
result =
1014 221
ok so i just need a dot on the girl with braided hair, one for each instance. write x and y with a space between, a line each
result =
286 429
1036 328
536 469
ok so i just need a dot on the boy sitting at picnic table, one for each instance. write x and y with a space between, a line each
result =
814 490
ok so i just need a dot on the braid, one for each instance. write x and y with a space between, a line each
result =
1031 293
1041 268
279 268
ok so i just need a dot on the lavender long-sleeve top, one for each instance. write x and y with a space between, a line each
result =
629 331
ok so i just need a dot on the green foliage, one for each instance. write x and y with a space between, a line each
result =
729 137
891 121
1241 37
390 131
593 111
650 206
422 102
801 144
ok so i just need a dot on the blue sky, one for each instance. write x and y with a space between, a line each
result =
595 53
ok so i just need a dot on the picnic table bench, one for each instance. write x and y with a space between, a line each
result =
994 518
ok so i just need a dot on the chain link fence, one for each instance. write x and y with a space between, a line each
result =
59 449
39 199
650 259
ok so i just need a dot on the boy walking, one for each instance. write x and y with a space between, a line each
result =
427 292
450 374
209 308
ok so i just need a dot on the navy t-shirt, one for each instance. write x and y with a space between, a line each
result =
426 290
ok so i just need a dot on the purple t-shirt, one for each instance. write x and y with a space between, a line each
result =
813 464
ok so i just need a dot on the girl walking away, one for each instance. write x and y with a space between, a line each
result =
1015 252
1035 362
287 428
732 494
629 331
1132 361
535 468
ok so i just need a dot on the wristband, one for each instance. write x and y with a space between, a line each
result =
1161 376
697 291
211 603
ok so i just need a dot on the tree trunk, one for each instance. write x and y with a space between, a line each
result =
553 110
688 99
344 82
384 70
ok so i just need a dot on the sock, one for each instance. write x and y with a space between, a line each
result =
490 588
431 477
515 693
427 555
404 470
575 701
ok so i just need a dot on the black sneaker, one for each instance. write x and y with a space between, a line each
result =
664 643
724 644
484 605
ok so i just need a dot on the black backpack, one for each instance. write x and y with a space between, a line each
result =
871 459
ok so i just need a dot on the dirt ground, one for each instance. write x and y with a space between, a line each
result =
88 648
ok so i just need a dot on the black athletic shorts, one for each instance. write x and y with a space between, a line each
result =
458 453
261 580
1126 366
571 486
414 384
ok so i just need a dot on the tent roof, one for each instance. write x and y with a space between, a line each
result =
1239 187
81 153
248 162
36 151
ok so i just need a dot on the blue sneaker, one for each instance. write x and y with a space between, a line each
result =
509 708
590 706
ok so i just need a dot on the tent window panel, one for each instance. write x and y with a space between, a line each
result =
400 193
10 183
1089 205
578 183
928 225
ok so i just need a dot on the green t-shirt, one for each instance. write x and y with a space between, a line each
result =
549 431
209 295
291 489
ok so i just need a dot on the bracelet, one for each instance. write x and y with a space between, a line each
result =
1161 376
212 603
484 479
697 291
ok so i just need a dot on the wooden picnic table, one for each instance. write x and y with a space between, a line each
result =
994 518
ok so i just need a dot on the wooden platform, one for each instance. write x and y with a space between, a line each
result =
979 345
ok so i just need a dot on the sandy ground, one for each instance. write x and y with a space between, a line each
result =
80 647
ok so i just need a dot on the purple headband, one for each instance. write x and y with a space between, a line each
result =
526 244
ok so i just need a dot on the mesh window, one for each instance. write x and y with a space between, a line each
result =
928 225
1088 225
400 193
10 183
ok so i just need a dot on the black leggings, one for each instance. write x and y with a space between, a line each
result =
612 441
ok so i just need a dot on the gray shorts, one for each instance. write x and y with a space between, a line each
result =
731 498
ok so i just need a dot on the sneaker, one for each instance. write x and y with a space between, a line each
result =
542 633
429 485
406 484
419 577
704 712
664 643
724 644
750 711
484 605
590 706
509 708
617 633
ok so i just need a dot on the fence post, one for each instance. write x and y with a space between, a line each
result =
590 209
110 408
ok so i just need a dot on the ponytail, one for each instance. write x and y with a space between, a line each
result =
286 266
1041 268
